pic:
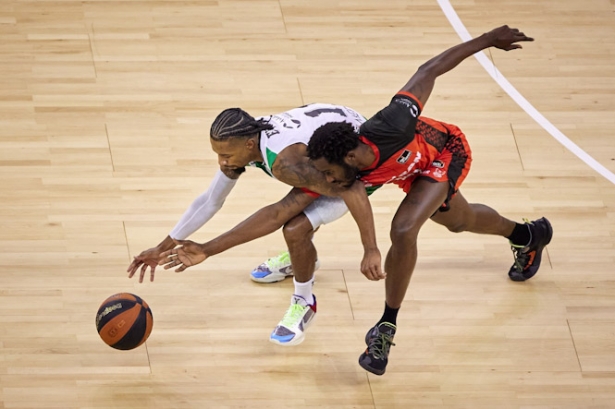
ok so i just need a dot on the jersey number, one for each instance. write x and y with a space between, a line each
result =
316 112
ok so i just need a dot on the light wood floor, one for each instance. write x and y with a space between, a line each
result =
105 110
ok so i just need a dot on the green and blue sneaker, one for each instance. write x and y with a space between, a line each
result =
275 269
298 317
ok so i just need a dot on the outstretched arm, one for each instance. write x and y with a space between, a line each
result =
263 222
200 212
422 82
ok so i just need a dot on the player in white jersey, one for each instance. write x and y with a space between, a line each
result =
290 127
297 126
276 144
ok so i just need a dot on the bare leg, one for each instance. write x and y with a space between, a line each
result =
298 233
475 218
421 202
290 330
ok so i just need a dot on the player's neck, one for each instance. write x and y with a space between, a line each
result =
364 155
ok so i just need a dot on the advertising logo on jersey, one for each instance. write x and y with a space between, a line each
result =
414 111
437 164
403 158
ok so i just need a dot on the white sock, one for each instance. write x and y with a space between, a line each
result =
305 290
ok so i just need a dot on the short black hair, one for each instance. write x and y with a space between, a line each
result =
333 141
235 122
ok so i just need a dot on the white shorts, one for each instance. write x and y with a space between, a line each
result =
324 210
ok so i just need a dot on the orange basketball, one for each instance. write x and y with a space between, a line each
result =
124 321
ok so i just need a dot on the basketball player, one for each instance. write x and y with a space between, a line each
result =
277 145
429 160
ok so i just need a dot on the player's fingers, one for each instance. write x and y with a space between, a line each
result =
142 273
167 253
151 275
131 268
181 268
134 265
166 259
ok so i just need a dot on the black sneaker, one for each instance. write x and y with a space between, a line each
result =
527 258
379 340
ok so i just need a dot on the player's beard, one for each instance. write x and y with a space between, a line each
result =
350 175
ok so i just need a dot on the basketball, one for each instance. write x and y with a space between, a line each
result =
124 321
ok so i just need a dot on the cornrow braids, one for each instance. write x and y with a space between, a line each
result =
235 122
333 141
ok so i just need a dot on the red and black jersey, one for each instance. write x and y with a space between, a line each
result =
407 145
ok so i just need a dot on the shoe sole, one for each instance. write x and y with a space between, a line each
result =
268 279
372 370
292 343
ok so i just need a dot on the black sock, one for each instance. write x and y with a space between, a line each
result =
520 235
390 315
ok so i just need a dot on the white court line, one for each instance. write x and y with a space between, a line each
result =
463 33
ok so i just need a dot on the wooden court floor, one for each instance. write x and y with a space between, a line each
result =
105 108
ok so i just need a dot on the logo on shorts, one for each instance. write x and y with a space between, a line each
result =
403 158
437 164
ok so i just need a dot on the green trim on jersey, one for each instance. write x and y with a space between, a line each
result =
271 157
262 167
372 189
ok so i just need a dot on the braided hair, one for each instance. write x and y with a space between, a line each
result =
235 122
333 141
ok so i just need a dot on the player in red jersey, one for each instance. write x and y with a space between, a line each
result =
429 160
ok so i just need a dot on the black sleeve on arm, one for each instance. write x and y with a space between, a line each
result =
396 122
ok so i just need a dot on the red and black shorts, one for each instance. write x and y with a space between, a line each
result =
451 165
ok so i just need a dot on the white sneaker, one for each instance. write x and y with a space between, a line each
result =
291 330
275 269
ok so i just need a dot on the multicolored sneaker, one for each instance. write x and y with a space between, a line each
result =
275 269
291 330
527 258
379 340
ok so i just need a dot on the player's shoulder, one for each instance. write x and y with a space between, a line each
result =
408 100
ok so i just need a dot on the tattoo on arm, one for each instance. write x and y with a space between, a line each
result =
302 174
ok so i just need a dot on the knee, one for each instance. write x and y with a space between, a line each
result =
457 227
404 233
298 229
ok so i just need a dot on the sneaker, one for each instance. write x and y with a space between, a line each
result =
291 330
527 258
379 340
275 269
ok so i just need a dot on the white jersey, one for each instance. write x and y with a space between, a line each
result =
290 127
297 126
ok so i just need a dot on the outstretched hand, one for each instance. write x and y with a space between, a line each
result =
505 38
147 258
188 254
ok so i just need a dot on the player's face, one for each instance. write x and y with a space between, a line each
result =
341 175
233 153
